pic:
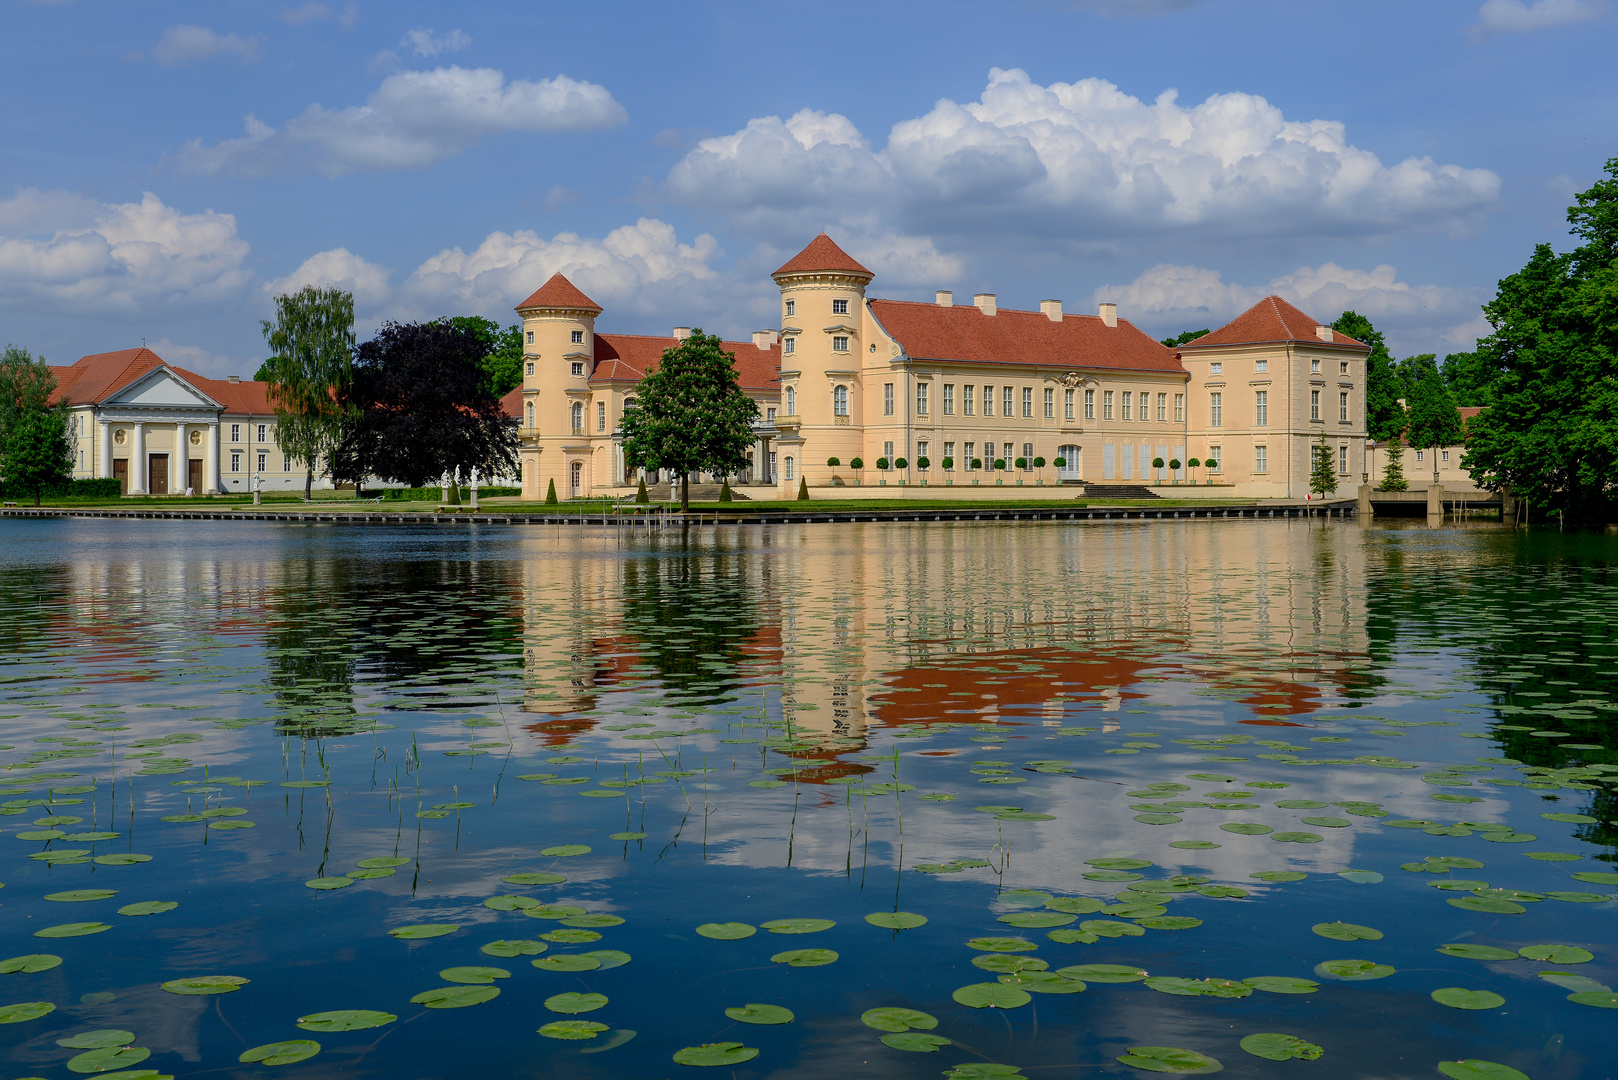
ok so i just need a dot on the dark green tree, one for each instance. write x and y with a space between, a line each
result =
502 362
1550 433
311 342
1393 472
1468 378
1180 339
1384 416
36 453
26 385
1323 471
1434 419
690 414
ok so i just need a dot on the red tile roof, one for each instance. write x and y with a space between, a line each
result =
1272 319
822 254
1469 411
98 377
511 404
632 356
559 292
930 332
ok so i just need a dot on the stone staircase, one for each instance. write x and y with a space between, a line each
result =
1119 491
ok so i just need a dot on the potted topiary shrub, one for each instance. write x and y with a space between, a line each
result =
1192 463
856 464
1060 463
900 464
1211 465
1039 463
1157 464
924 463
832 463
999 466
977 464
949 467
1022 467
882 466
1174 470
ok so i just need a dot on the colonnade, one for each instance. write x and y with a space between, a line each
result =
179 457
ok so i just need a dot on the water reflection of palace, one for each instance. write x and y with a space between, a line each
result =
862 625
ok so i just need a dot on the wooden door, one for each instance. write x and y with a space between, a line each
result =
120 473
193 475
157 474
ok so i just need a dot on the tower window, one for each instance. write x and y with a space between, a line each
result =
839 307
530 337
530 367
839 344
839 401
577 367
578 337
792 308
789 346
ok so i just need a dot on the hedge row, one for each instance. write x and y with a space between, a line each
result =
103 488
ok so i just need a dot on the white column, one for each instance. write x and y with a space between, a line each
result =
210 460
104 450
137 460
179 461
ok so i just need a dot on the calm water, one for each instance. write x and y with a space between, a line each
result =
1174 748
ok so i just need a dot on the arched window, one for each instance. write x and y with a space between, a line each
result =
792 401
578 417
788 473
530 414
839 401
629 403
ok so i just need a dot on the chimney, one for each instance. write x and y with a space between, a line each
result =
233 378
764 339
681 333
1109 314
1323 333
984 302
1052 309
945 298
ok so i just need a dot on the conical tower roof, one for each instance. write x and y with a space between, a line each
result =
559 292
822 255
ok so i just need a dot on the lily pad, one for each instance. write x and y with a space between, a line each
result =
473 975
122 859
1457 998
107 1058
805 957
1007 964
727 931
1118 862
456 997
567 962
1596 877
1601 999
1490 904
565 851
1246 828
753 1013
1361 877
607 959
991 996
919 1042
1477 1069
1074 905
97 1040
25 1010
1353 970
1182 987
1282 984
72 929
79 896
345 1020
1169 1059
382 863
1342 931
148 907
29 964
1557 954
1296 838
536 878
1278 875
572 1029
422 931
571 936
518 947
1169 922
329 883
1103 973
720 1053
1001 944
1278 1047
1037 919
896 1018
797 926
1467 951
896 920
281 1053
200 985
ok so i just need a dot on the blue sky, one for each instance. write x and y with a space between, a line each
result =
169 167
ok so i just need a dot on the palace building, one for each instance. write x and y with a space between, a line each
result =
953 389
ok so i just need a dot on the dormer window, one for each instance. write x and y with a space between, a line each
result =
578 337
792 308
839 344
577 367
839 307
1216 368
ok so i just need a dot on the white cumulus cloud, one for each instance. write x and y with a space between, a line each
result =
1416 318
412 120
1517 16
429 43
182 43
63 253
1081 163
339 268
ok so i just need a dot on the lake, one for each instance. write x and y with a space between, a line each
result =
1286 798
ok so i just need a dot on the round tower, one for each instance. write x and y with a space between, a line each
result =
558 323
823 327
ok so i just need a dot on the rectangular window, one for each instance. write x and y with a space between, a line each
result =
1261 459
286 463
949 399
1216 368
1128 471
578 337
601 416
263 462
789 346
1314 365
966 400
1162 408
1342 459
1261 408
1314 404
1216 455
1067 403
235 433
1419 455
969 449
1179 408
988 401
1109 467
262 429
236 461
577 367
530 337
839 343
1342 406
1443 455
1106 404
887 400
1261 365
530 367
1050 403
921 399
839 307
949 455
921 452
1342 367
887 451
792 308
769 414
791 401
1089 405
1216 410
1028 455
1027 402
1123 405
